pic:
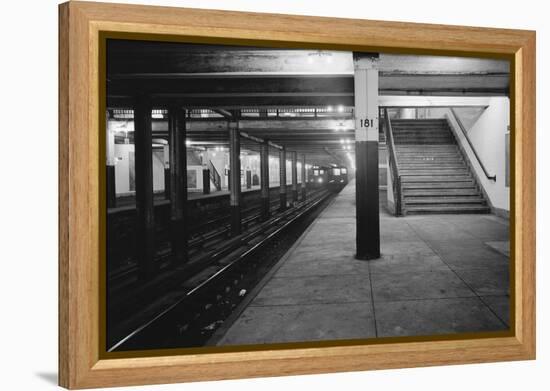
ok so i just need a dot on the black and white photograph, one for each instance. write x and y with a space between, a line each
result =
265 195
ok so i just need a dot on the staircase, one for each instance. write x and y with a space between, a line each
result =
214 176
434 176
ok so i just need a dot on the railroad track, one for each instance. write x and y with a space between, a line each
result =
203 235
194 309
129 295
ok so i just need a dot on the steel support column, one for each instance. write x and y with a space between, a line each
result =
304 177
294 172
177 152
145 232
166 152
264 179
366 156
110 175
235 177
282 179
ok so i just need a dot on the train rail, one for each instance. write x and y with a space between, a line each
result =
191 311
202 235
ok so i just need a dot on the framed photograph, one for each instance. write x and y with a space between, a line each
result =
247 195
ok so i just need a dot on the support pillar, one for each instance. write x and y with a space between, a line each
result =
145 243
178 183
206 181
166 150
264 179
282 179
366 155
110 174
304 191
248 179
294 172
235 177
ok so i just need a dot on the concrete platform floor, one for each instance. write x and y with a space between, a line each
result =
438 274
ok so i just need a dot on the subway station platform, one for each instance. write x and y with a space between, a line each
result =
438 274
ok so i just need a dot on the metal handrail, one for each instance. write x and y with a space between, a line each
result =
463 129
394 166
215 176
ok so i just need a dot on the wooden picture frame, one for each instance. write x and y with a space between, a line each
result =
81 25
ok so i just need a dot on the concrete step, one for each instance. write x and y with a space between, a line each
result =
424 155
423 136
432 166
434 147
435 179
441 192
435 137
419 122
421 129
417 142
425 149
429 164
437 146
434 172
424 139
447 185
427 155
429 158
421 132
445 209
436 169
444 200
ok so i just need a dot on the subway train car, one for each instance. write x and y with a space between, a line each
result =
334 177
337 178
318 176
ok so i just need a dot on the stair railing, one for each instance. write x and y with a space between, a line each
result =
215 176
463 130
393 165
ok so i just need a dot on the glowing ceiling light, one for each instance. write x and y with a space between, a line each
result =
329 108
340 109
187 142
341 141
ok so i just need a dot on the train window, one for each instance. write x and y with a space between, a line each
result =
321 172
315 172
336 171
344 171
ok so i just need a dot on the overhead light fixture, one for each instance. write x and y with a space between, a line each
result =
340 108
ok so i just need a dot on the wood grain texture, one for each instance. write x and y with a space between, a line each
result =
80 203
